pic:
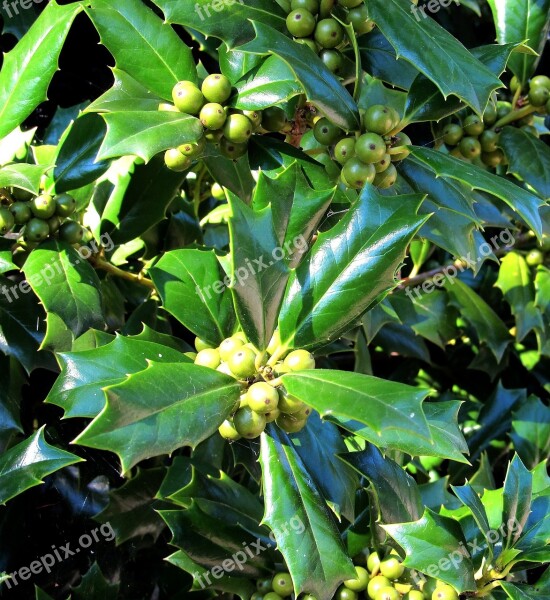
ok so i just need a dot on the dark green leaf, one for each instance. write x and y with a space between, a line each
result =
517 494
94 586
127 94
531 432
235 64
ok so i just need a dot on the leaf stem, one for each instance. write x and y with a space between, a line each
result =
515 115
100 263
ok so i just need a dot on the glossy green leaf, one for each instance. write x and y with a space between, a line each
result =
235 64
143 204
528 158
348 269
469 498
487 324
75 161
142 45
431 539
517 21
380 404
397 496
10 400
517 494
66 285
230 21
84 375
447 63
318 445
321 86
531 432
192 286
518 591
26 464
24 176
126 94
518 199
162 408
94 586
514 280
291 496
235 175
259 270
28 69
146 133
274 82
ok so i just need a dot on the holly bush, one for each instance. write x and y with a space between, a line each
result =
275 300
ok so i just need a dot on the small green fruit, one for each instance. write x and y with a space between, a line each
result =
54 223
212 116
388 593
187 97
490 114
193 149
373 561
470 147
176 161
378 119
539 95
290 423
21 213
444 592
228 346
344 593
254 116
300 360
216 191
385 179
534 258
209 357
216 88
329 33
71 232
262 397
311 6
36 230
452 134
344 150
289 404
272 596
273 118
7 220
473 125
201 344
370 148
325 132
237 129
232 150
248 423
332 59
282 584
65 205
300 23
392 568
360 582
242 362
376 584
43 206
227 430
264 585
489 140
356 173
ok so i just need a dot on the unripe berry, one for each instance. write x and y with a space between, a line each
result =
70 232
385 179
289 404
378 119
273 118
344 150
310 5
7 220
209 357
401 142
187 97
539 96
376 584
360 582
227 430
201 344
242 362
452 134
470 147
262 397
473 125
332 59
329 33
388 593
231 149
176 161
373 561
21 213
254 116
282 584
216 191
272 415
192 149
325 132
489 140
248 423
36 230
216 88
237 129
370 148
444 592
43 206
264 585
300 23
212 116
228 346
299 360
356 173
65 205
392 568
344 593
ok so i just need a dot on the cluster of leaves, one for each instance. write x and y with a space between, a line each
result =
432 354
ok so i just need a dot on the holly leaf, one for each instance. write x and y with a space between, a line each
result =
517 495
24 176
291 497
94 586
84 375
531 431
430 540
160 409
191 285
26 464
28 69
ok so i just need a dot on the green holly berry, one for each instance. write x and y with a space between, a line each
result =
326 7
311 6
227 430
43 206
470 147
414 595
540 81
175 160
385 179
358 15
187 97
216 88
400 146
489 140
503 108
212 116
257 596
514 84
272 415
231 149
539 95
7 220
383 164
373 561
378 119
36 230
370 148
329 33
21 195
303 413
273 118
254 116
272 596
300 23
344 150
213 137
350 3
452 134
534 258
360 582
192 149
492 159
300 360
71 232
325 132
376 584
228 346
65 205
282 584
332 59
289 404
262 398
54 223
167 107
344 593
309 43
309 597
290 423
264 585
237 129
392 568
357 173
21 212
490 114
248 423
209 357
242 362
201 344
473 125
444 592
216 191
388 593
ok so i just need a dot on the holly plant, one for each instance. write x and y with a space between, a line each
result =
274 300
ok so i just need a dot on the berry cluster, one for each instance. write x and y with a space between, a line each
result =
39 217
262 400
538 94
379 579
366 157
310 22
226 127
